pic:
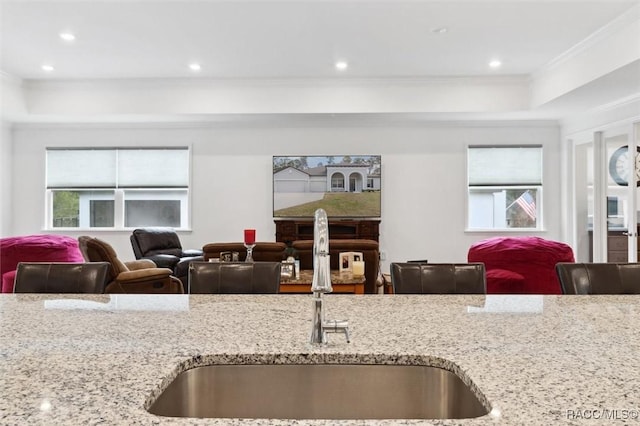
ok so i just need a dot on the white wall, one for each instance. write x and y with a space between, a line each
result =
423 175
5 178
84 99
11 107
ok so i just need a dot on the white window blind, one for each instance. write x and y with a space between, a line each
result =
81 168
118 168
159 168
505 165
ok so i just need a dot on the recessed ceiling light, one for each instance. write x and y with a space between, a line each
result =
495 64
439 30
341 65
67 36
195 67
47 68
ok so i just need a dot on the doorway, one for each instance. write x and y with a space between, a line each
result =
607 195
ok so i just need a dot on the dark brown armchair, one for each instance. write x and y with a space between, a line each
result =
141 276
438 278
599 278
162 245
58 277
234 277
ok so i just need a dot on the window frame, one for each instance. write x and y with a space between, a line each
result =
334 178
119 193
539 188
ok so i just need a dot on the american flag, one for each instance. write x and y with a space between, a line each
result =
528 204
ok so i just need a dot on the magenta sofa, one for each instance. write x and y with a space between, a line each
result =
34 248
521 265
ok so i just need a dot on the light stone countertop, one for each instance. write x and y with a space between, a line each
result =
538 360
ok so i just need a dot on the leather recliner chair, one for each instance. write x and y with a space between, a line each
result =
162 245
139 276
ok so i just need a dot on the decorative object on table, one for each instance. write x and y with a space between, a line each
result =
288 270
357 268
249 243
229 256
291 256
346 260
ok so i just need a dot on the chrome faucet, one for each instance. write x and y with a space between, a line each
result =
321 282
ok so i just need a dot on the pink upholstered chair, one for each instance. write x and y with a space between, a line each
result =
34 248
521 265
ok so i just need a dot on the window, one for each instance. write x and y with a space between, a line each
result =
370 183
117 187
337 182
505 187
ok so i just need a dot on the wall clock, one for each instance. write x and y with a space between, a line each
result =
619 165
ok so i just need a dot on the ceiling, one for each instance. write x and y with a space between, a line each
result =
292 39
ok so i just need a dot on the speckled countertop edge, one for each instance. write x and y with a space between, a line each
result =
533 358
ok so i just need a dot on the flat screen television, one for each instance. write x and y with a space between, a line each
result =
345 186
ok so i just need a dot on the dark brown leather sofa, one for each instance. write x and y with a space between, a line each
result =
262 252
368 248
599 278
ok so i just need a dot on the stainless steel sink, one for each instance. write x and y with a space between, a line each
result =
318 391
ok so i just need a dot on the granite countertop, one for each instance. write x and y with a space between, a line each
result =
538 360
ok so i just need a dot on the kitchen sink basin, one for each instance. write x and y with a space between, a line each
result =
318 391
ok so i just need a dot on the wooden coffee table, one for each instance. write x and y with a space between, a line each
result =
341 282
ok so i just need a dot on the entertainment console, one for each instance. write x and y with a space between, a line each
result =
362 229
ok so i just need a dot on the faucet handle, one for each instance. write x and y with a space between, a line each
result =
337 326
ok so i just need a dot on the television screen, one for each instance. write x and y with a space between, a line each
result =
345 186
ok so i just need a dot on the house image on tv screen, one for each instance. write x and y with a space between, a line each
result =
345 186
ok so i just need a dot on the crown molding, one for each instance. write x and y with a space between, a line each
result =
415 120
277 82
630 16
618 103
605 117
